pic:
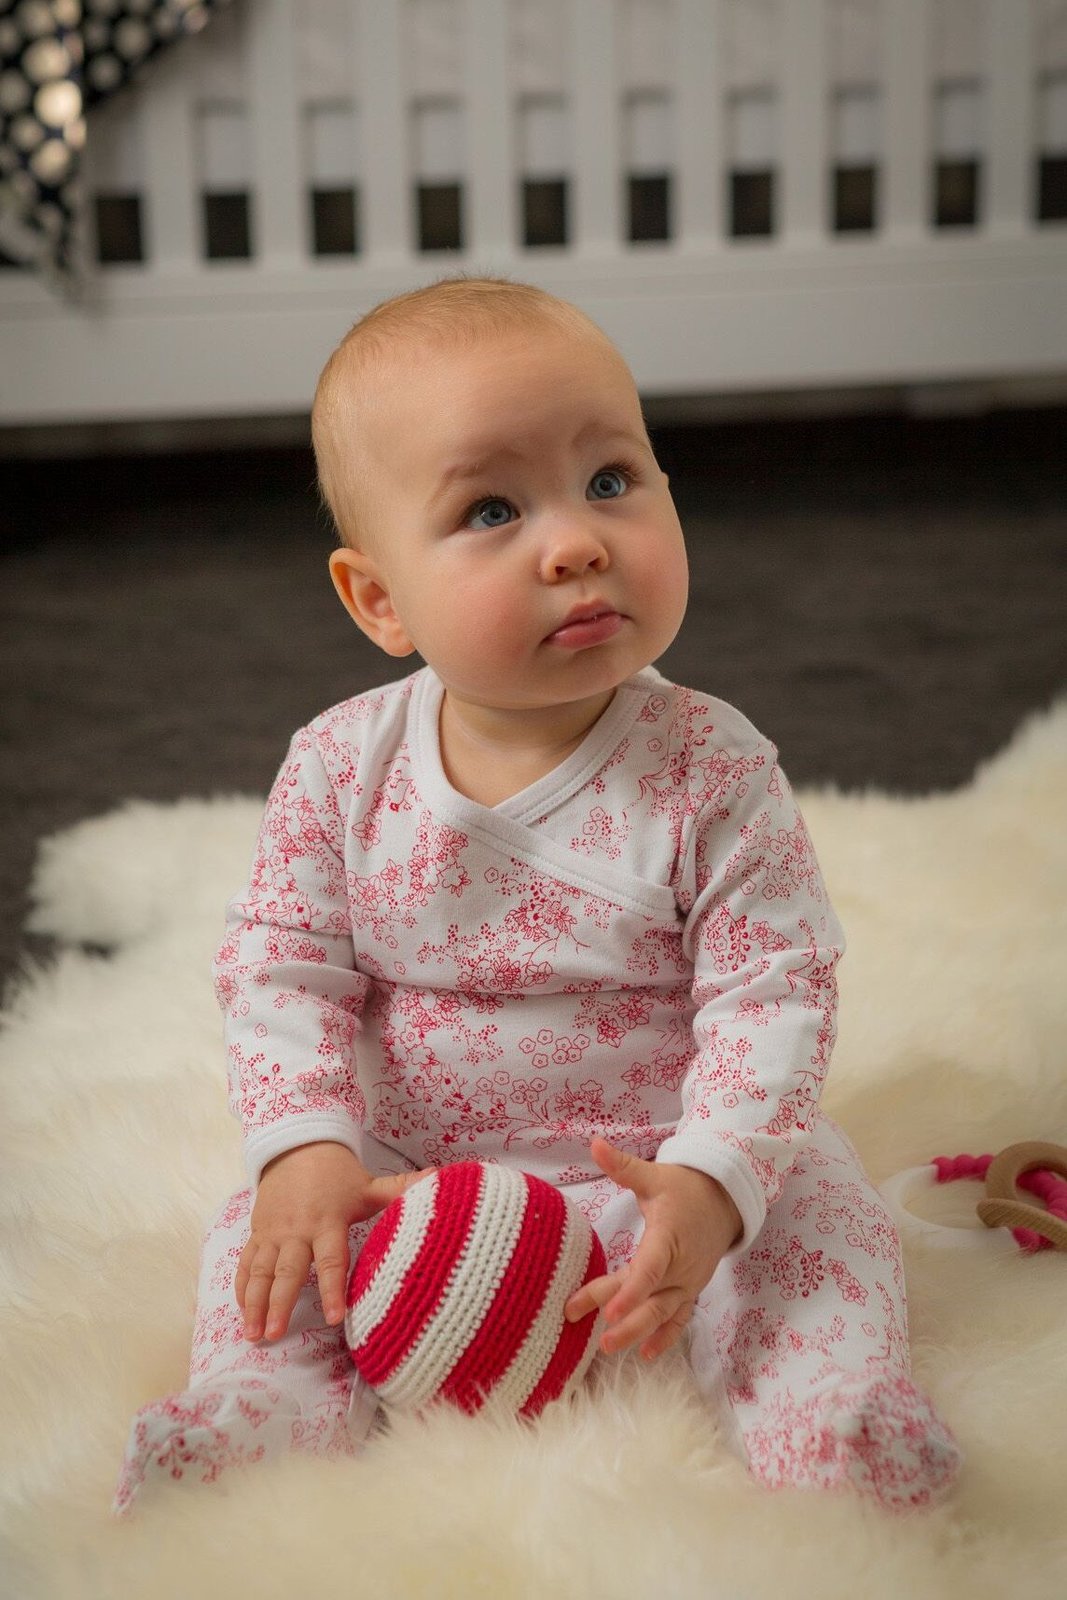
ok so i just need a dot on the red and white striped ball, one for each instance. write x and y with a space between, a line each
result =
458 1294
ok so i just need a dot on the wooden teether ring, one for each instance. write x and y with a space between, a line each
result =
1002 1207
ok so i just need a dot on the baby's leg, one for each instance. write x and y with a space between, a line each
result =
246 1401
809 1331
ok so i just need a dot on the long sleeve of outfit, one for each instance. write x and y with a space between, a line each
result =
764 944
285 975
638 945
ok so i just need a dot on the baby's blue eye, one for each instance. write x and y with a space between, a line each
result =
490 514
607 484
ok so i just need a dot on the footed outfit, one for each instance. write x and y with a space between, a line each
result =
638 945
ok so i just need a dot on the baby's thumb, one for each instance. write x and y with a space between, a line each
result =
627 1171
390 1186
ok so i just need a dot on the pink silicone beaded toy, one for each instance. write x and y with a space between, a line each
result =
1034 1166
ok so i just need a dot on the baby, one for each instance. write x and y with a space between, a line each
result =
536 904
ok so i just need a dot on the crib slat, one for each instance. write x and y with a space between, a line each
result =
906 38
595 119
381 94
170 220
701 147
1010 68
490 130
805 114
279 217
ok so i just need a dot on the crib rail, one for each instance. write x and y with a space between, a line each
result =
747 195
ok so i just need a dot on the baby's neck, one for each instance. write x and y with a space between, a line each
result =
489 754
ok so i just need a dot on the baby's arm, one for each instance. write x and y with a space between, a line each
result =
765 944
293 1000
286 978
690 1223
307 1200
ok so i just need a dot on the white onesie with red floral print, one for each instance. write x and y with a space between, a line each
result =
638 945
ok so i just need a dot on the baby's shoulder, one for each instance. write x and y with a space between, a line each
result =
365 728
371 715
694 724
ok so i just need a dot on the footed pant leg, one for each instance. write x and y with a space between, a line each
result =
246 1401
808 1332
801 1344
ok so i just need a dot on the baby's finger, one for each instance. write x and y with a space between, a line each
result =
669 1334
290 1276
592 1296
331 1267
244 1266
641 1323
644 1276
257 1264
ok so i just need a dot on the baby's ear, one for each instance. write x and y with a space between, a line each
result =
362 592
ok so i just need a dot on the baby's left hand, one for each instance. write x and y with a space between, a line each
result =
690 1223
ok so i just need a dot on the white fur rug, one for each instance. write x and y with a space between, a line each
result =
116 1143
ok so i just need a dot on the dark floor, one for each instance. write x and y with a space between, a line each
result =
885 597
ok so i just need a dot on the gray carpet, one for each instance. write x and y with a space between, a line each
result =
884 596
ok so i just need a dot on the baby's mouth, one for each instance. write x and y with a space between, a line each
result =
587 626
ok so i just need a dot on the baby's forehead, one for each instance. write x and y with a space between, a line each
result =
404 398
514 383
406 352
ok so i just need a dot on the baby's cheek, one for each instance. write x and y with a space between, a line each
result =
663 586
491 654
507 630
483 624
675 596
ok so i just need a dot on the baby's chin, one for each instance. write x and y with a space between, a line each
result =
549 675
532 702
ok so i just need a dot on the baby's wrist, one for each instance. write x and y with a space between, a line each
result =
725 1207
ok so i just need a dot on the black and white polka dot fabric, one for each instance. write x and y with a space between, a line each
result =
57 58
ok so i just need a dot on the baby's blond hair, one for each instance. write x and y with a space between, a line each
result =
456 312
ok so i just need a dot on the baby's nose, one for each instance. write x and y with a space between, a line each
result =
573 550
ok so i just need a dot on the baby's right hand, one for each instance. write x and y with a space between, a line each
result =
307 1200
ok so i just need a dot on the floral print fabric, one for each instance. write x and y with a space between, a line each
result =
638 945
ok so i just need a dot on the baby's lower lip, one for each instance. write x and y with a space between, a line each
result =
591 630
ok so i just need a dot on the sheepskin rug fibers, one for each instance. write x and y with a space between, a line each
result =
115 1145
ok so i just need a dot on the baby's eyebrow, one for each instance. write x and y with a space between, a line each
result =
471 467
467 468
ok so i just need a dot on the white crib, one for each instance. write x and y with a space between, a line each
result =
750 196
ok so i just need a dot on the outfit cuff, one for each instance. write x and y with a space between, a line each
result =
723 1163
262 1147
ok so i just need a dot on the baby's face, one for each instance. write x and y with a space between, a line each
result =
519 522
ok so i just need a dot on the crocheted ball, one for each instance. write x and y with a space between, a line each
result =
458 1293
